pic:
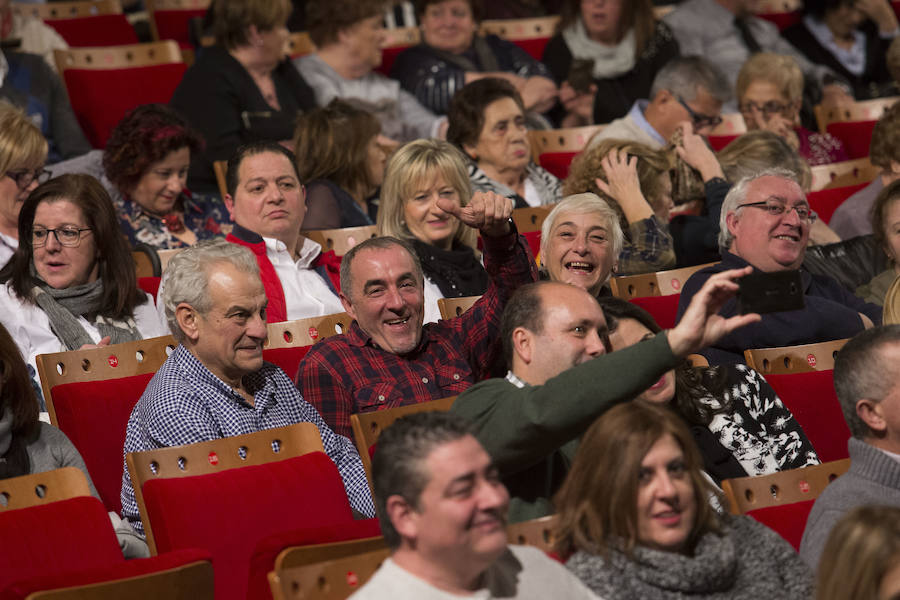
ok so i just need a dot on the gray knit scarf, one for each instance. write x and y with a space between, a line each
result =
64 306
609 61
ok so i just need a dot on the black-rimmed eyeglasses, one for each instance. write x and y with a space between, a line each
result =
777 209
25 177
68 236
700 120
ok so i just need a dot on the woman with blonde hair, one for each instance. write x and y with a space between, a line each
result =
770 93
635 510
23 151
861 558
342 162
634 180
419 176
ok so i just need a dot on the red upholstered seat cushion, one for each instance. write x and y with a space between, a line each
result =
825 202
534 47
175 24
97 30
149 285
557 163
718 142
856 136
263 559
813 401
122 569
67 535
286 358
388 56
782 20
100 98
94 415
228 513
788 520
663 308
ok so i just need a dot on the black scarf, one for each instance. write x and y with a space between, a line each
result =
456 271
484 59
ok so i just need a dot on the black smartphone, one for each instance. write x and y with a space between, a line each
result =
581 75
770 292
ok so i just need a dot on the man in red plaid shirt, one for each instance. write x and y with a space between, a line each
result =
388 358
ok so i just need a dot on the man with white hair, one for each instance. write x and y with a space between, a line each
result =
215 384
765 223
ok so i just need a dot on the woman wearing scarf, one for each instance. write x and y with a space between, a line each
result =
610 51
452 54
71 283
419 174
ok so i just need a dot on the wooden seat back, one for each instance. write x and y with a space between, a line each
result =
216 456
842 174
330 579
41 488
67 10
660 283
453 307
341 240
784 487
794 359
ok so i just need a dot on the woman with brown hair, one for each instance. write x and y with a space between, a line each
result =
341 159
243 89
605 56
634 180
635 509
71 283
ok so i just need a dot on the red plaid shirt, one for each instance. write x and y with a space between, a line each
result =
347 374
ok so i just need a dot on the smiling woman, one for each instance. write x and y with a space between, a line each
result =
71 283
419 176
635 510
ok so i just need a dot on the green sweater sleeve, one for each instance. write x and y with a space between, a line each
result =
519 427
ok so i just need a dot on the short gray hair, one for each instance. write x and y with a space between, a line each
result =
861 370
383 242
581 204
683 76
187 276
737 195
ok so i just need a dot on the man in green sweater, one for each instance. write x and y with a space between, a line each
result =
530 421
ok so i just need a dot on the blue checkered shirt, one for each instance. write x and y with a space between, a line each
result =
185 403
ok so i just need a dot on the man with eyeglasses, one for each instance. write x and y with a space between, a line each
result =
765 223
688 90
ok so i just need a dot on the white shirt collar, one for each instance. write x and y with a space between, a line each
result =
309 251
514 379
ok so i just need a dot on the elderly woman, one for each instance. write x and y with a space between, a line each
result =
244 88
851 38
487 122
608 52
23 151
452 54
634 179
348 35
580 243
635 510
144 168
769 93
419 176
861 558
71 283
740 425
341 159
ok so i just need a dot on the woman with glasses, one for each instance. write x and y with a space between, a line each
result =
769 93
71 283
23 151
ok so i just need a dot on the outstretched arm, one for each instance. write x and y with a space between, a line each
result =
701 325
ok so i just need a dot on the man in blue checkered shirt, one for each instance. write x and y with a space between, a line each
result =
215 384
